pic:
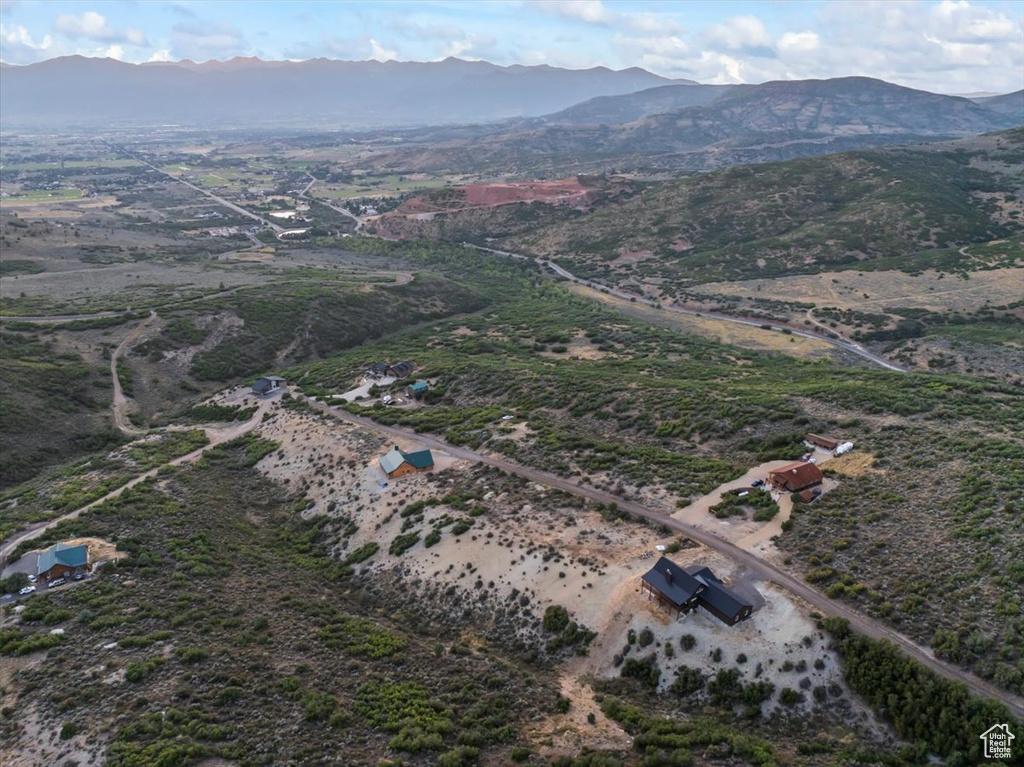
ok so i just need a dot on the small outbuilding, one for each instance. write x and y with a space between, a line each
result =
396 463
672 585
267 385
795 477
824 442
401 369
61 561
377 370
419 387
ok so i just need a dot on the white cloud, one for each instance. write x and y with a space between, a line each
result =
740 34
19 36
799 42
161 55
379 53
590 11
93 26
960 21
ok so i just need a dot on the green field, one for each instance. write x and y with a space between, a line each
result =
46 195
103 162
376 186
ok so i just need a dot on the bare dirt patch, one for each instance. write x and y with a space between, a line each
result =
930 290
853 464
744 336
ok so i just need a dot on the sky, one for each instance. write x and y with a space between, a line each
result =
948 46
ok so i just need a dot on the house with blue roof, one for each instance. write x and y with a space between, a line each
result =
62 560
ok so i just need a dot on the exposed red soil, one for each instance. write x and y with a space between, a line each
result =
566 191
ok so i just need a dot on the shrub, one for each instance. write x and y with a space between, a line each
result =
790 697
556 619
645 670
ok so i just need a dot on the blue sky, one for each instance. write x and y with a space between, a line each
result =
953 46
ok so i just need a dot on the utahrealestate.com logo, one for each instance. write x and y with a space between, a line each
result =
997 741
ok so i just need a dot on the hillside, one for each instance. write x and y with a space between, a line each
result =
1009 104
250 92
715 127
615 110
755 221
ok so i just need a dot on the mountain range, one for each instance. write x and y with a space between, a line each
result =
700 127
349 94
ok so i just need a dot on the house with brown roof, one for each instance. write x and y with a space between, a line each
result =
795 477
824 442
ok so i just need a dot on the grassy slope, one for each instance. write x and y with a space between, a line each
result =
54 406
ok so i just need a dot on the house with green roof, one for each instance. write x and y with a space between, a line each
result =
396 463
62 560
419 387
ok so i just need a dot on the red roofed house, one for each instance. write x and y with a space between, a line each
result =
795 477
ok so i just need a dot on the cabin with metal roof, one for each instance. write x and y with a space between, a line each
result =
396 463
62 560
672 585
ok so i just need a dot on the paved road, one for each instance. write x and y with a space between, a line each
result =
752 562
211 195
849 346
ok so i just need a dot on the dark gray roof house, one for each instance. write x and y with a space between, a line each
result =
672 585
267 385
401 369
721 602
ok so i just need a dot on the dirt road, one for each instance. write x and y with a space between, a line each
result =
751 561
216 437
119 405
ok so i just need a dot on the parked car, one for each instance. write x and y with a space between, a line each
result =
757 482
32 579
79 576
58 582
27 590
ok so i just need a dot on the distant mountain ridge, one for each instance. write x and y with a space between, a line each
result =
252 92
715 126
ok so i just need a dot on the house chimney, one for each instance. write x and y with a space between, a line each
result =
668 576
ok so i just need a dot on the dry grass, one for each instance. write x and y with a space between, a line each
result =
854 464
874 291
744 336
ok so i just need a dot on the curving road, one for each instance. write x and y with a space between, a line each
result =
849 346
752 562
216 437
119 404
